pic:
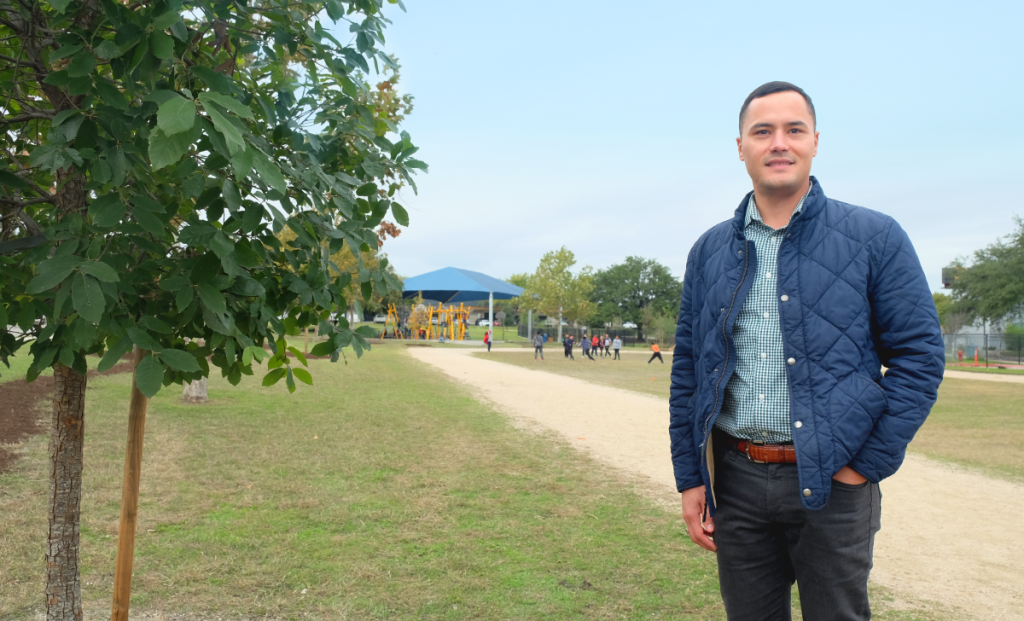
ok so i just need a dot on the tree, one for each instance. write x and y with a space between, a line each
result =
626 289
558 291
151 151
992 287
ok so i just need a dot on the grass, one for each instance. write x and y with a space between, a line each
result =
989 369
373 495
975 424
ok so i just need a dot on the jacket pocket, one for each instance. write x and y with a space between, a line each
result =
854 406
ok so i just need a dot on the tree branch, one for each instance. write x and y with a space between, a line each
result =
17 62
43 116
32 201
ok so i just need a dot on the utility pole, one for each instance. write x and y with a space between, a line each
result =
559 324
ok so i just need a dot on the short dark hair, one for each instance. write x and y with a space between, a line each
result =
770 88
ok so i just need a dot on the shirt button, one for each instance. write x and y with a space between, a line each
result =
766 315
807 492
763 356
784 298
761 397
798 424
791 361
768 275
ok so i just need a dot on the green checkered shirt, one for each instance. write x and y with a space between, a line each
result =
756 405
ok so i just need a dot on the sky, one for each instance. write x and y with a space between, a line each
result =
611 131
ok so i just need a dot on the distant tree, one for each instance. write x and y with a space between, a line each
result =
626 289
951 319
558 289
992 286
1014 336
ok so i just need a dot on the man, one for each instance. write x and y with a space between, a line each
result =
781 423
538 346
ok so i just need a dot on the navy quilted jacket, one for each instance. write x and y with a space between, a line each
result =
852 297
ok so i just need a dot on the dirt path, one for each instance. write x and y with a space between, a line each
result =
948 535
988 377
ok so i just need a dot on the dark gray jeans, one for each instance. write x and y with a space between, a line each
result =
767 540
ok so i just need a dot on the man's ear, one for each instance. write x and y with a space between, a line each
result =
739 146
816 134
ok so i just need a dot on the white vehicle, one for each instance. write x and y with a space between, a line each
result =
484 322
629 325
380 319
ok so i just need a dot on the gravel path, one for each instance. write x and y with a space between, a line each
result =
987 377
948 535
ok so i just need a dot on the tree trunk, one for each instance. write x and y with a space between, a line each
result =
195 392
63 588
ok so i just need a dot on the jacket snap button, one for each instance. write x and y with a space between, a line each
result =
798 424
807 492
716 370
791 361
785 298
740 252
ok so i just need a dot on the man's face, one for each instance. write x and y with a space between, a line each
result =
778 142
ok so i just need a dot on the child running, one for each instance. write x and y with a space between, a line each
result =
656 354
586 344
567 344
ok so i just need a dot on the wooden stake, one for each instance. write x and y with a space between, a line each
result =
129 500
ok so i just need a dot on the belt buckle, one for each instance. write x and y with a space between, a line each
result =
754 443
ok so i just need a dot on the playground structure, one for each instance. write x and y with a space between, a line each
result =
451 322
394 324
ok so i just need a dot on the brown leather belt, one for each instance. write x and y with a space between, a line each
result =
764 453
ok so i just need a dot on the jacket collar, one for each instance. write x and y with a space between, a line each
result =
812 206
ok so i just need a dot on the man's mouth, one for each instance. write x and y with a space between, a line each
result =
779 163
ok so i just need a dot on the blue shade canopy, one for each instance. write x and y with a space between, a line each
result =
452 285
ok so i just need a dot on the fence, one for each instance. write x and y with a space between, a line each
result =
990 348
628 336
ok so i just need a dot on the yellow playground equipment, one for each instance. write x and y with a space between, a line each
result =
450 322
393 324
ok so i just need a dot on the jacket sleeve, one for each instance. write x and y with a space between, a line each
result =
909 342
685 461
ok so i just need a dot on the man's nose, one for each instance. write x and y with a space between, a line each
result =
779 142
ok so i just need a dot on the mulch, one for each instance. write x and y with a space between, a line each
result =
22 413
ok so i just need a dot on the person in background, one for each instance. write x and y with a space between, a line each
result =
607 345
595 343
487 339
617 345
656 354
586 345
567 344
538 346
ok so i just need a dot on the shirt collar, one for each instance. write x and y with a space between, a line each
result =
753 215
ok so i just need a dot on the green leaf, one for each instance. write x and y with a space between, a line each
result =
231 196
107 49
143 339
87 297
176 115
100 270
162 44
367 189
184 297
252 218
165 19
299 355
232 135
13 181
81 65
179 30
65 51
242 164
164 150
216 81
289 380
108 210
212 298
148 221
60 5
221 244
322 349
100 171
149 376
52 272
156 325
118 165
227 102
273 377
179 360
303 376
401 215
114 354
269 171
